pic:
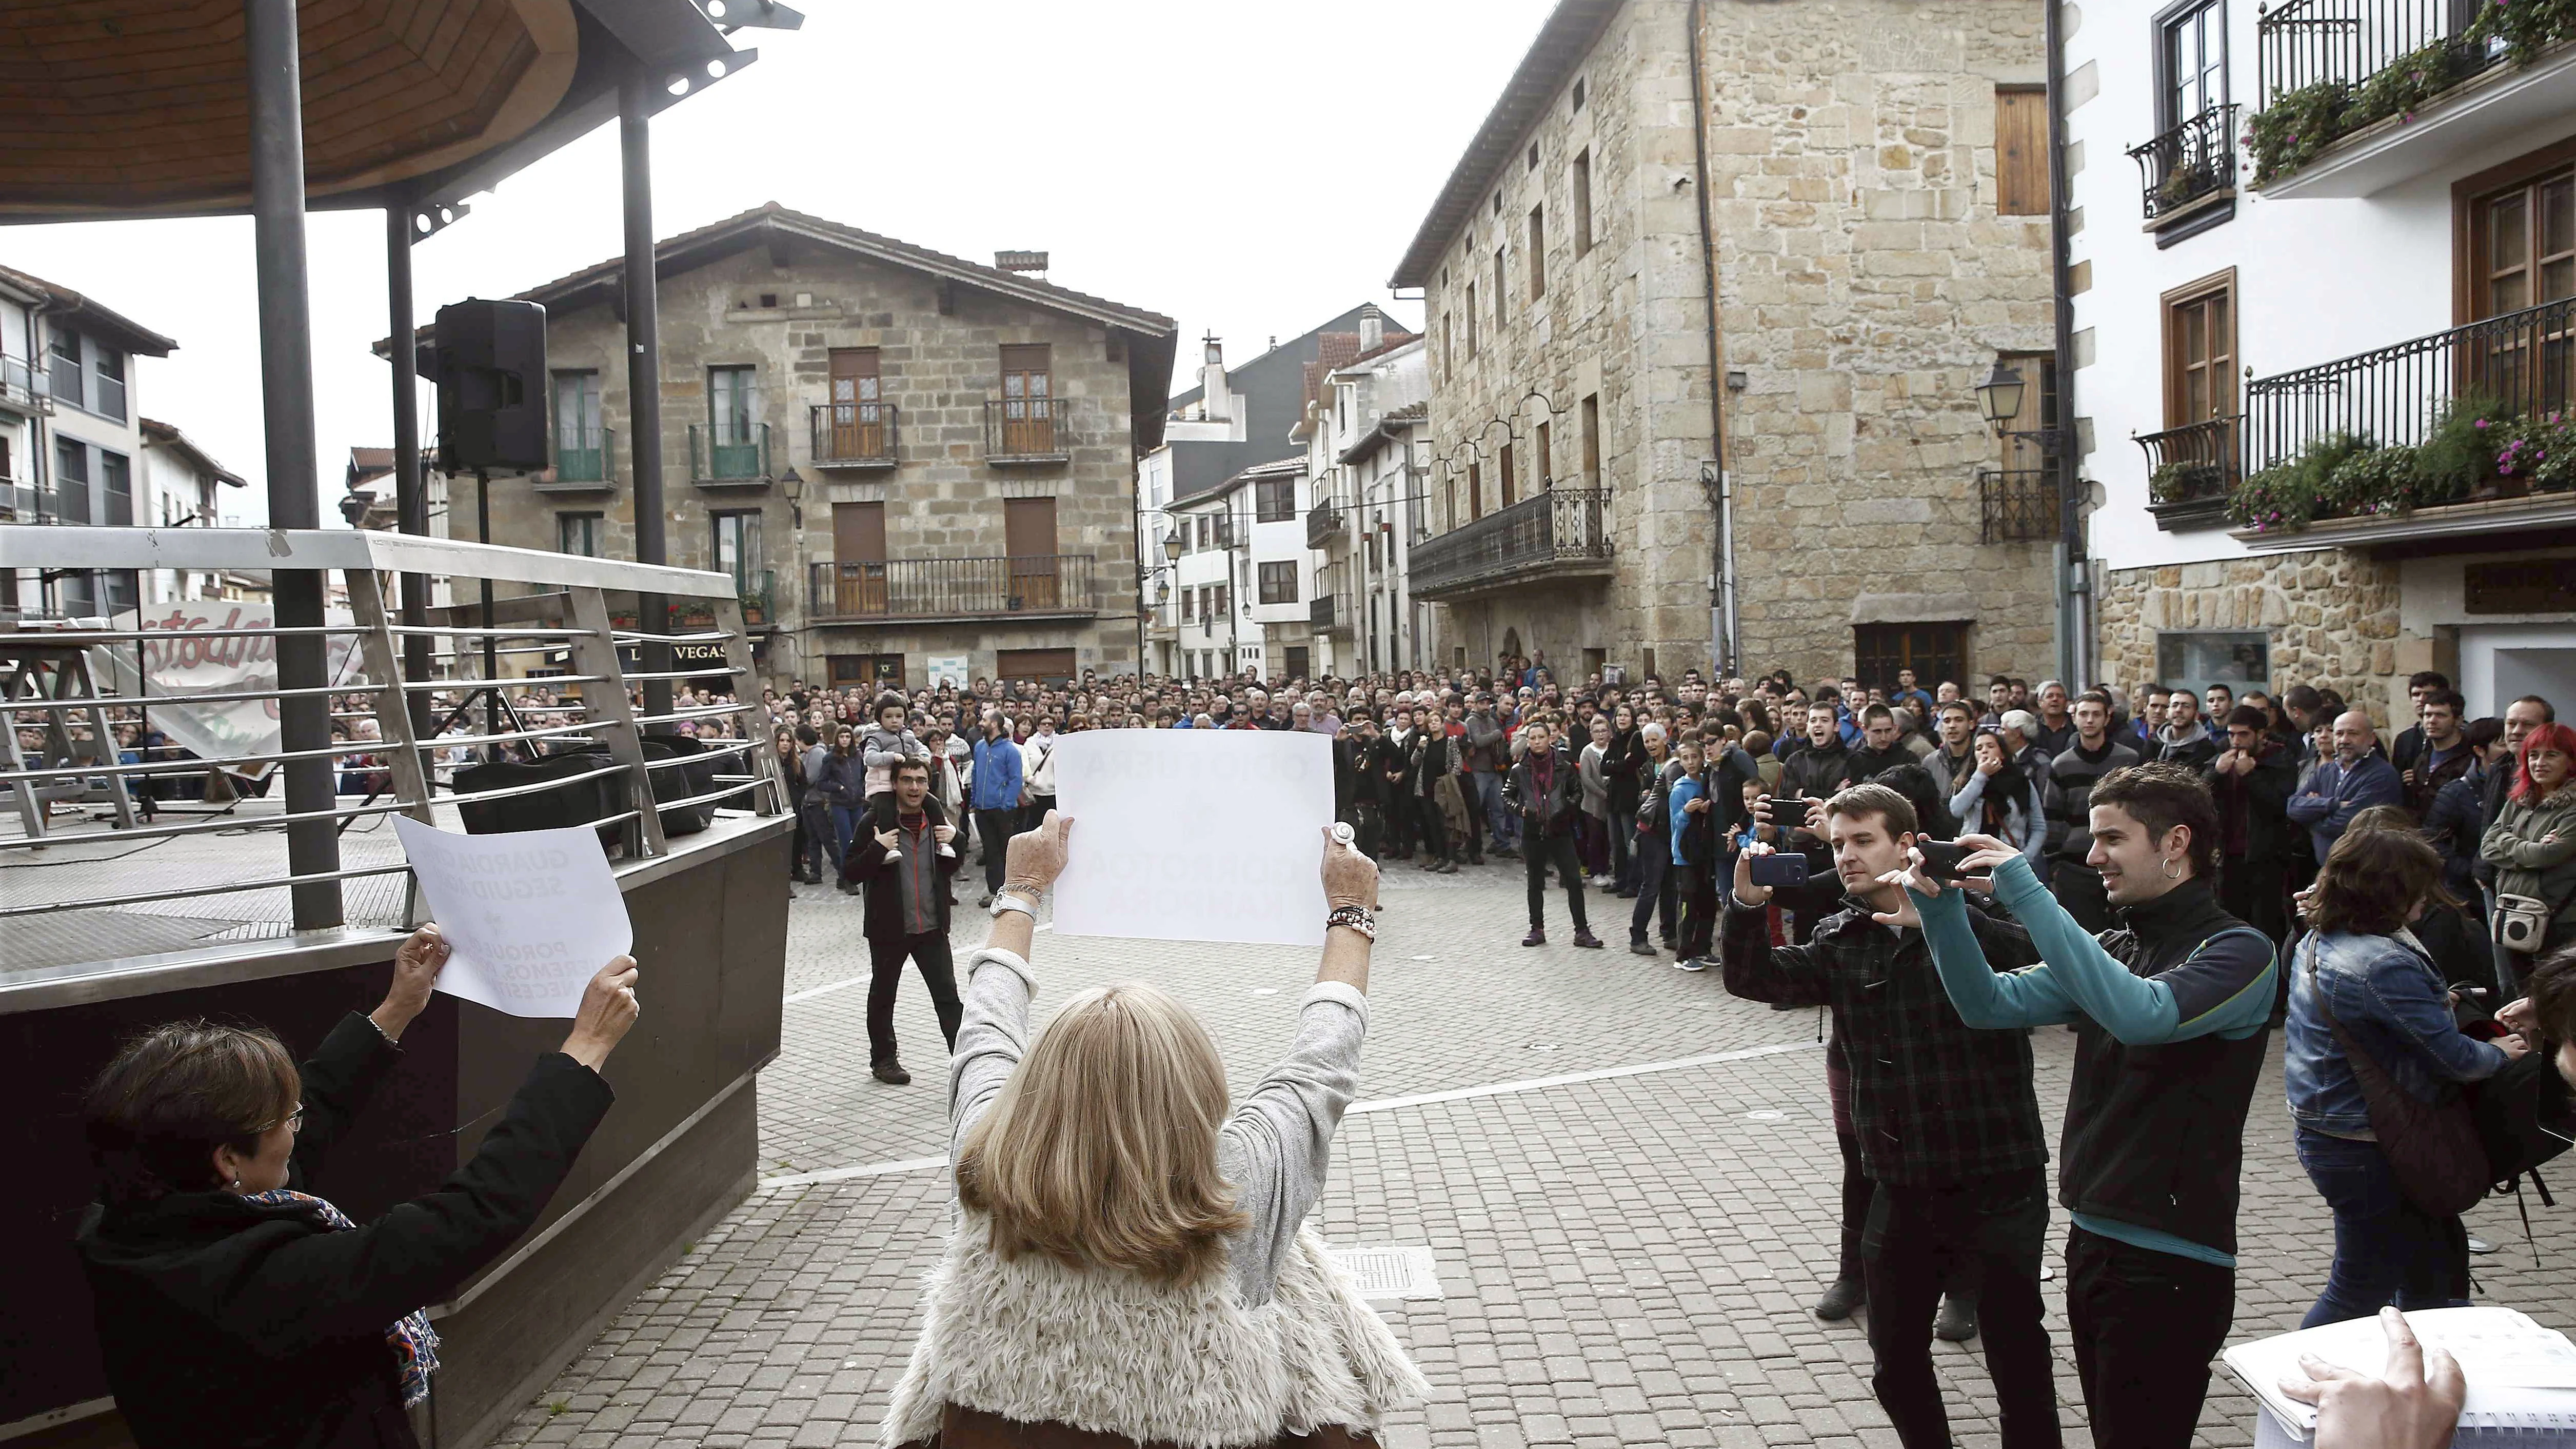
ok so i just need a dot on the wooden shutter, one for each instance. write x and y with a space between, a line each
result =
2200 351
859 545
2021 152
1028 536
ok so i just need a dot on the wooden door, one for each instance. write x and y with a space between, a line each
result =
1028 400
859 545
856 420
2525 242
1028 538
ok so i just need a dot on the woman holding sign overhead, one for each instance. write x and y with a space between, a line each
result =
1128 1252
234 1307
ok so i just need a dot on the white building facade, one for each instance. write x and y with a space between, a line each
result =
1368 451
2322 294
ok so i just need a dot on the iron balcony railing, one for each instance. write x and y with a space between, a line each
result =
2191 468
1322 522
2519 364
2194 160
951 588
585 455
854 434
1027 430
2308 41
1324 611
725 454
2016 504
1560 530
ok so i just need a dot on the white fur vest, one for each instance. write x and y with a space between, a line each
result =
1109 1352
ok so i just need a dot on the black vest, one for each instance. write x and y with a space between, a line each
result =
2155 1134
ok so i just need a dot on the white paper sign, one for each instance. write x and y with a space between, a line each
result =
948 669
529 916
1195 835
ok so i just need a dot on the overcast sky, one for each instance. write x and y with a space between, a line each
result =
1249 168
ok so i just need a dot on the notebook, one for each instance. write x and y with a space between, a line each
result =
2521 1376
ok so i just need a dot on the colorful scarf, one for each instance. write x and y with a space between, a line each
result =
414 1342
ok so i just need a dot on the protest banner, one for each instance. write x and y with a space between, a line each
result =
178 666
529 916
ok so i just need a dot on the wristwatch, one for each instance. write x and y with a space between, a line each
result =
1358 918
1006 899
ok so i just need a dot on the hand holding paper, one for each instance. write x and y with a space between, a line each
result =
527 917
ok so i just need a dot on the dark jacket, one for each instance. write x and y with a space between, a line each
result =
1866 763
1551 812
1435 754
865 862
1815 773
1932 1101
843 781
2253 818
226 1324
2430 777
2456 825
1488 748
2067 800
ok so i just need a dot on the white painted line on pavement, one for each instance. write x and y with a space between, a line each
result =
1390 1104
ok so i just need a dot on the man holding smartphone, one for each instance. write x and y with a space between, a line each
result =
1944 1120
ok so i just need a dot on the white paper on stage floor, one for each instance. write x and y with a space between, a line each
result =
529 916
1195 835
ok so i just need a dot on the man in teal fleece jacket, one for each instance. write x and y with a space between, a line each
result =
2170 1009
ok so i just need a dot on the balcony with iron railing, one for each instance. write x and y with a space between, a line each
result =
2464 432
729 455
1323 522
585 461
854 434
1562 533
1330 611
2190 170
2016 505
2359 95
918 589
1027 431
2189 472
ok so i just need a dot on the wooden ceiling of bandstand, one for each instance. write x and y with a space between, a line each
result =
143 106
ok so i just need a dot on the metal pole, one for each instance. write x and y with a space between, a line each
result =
644 373
491 651
411 500
294 479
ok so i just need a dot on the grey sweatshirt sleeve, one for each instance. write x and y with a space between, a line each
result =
991 1038
1277 1147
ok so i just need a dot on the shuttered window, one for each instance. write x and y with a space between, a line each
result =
2021 151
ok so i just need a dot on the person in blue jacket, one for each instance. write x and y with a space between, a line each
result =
2171 1010
2358 777
997 794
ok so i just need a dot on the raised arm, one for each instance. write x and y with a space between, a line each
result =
993 1031
1748 963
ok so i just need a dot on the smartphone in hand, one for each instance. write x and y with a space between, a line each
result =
1771 872
1941 859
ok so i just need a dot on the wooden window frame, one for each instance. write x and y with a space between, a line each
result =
597 530
2468 234
2167 368
1538 252
1272 573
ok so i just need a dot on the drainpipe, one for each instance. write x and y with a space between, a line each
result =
1722 499
2074 570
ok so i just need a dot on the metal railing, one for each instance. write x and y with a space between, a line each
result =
759 596
855 434
2016 504
951 588
1562 529
2519 363
22 504
2192 465
1330 612
1027 430
586 455
205 677
1322 522
2194 160
25 386
2307 41
720 456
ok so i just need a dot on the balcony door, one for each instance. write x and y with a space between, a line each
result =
733 406
737 550
859 545
580 446
857 418
2522 246
1028 401
1028 537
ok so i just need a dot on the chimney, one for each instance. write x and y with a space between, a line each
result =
1215 403
1372 330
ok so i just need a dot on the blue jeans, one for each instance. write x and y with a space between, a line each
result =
1501 825
845 826
2387 1250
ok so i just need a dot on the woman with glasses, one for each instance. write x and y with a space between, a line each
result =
236 1308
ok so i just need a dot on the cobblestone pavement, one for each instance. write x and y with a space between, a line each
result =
1626 1256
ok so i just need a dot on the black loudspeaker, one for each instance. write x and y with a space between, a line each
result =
491 373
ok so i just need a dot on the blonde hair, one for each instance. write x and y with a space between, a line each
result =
1101 1148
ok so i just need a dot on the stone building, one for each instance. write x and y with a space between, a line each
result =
1876 232
913 465
2310 332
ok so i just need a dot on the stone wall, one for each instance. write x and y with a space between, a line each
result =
941 501
2331 614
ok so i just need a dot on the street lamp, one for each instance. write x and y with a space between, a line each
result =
1999 403
1172 545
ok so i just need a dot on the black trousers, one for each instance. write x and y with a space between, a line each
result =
2145 1325
1538 851
1919 1238
1858 1193
997 827
2078 887
886 954
1475 813
2250 888
1696 889
1435 826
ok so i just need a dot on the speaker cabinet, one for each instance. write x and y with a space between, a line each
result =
491 376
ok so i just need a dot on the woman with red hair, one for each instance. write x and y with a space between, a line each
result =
2533 843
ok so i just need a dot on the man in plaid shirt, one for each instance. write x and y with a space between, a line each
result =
1947 1125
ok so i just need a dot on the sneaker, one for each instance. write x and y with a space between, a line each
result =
1448 867
1627 895
987 903
1957 1322
1672 943
2480 1245
1841 1299
891 1073
1475 860
1509 852
1640 947
1691 963
848 887
1536 937
1584 938
1429 863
